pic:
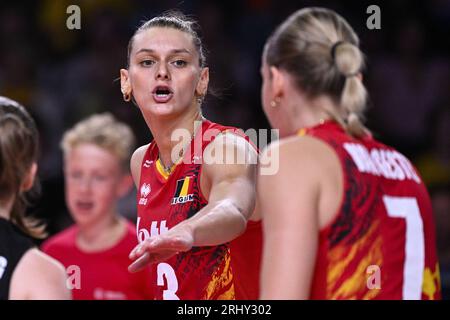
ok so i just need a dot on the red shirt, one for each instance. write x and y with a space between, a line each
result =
226 271
102 275
381 244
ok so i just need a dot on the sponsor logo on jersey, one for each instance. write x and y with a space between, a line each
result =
102 294
145 191
182 194
3 264
147 163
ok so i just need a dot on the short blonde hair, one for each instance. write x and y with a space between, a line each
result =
104 131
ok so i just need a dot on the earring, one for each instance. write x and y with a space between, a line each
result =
274 103
199 98
126 97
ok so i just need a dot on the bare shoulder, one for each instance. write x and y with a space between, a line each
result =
138 154
295 150
39 260
303 168
229 155
136 162
38 276
236 145
229 171
292 160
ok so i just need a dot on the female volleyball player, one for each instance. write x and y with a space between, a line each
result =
192 210
25 272
345 217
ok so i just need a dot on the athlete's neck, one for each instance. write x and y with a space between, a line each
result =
4 213
5 209
162 130
310 114
101 235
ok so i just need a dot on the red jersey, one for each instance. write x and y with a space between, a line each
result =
100 275
227 271
381 244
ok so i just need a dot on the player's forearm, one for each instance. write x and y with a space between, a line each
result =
217 223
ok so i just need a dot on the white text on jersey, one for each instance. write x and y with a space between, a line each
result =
381 162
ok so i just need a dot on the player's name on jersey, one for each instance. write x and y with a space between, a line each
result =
381 162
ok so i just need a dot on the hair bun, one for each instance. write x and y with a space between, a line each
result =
347 58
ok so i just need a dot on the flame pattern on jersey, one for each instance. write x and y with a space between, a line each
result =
365 242
202 272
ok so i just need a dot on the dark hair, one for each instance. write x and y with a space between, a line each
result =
320 50
175 20
18 151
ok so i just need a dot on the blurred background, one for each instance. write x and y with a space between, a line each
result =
64 75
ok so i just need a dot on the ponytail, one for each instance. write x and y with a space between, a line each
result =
348 60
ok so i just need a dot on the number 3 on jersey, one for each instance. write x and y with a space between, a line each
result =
408 209
164 270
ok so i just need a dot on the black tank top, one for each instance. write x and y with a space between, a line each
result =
13 245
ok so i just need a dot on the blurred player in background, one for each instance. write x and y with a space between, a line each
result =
97 151
345 217
196 219
25 272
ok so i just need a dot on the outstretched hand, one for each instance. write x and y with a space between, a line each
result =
160 248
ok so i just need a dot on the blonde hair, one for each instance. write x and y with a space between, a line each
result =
104 131
321 51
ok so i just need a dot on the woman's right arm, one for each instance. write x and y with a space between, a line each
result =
39 277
